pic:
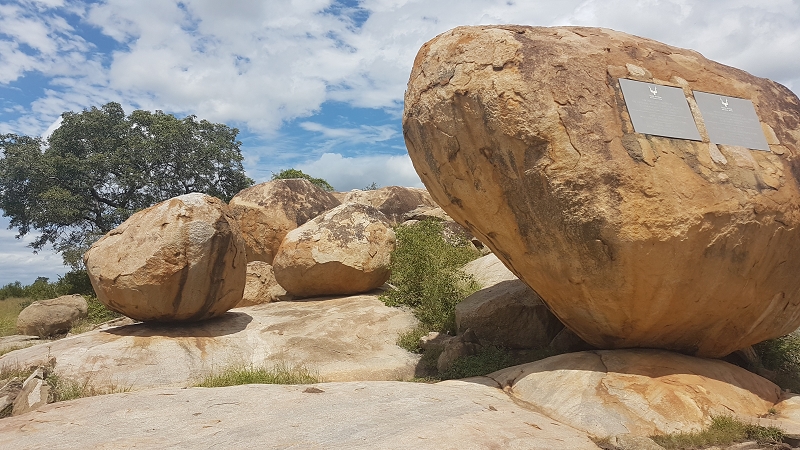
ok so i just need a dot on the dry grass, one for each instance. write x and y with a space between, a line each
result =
281 373
9 310
722 431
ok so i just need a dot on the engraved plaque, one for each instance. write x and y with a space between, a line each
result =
659 110
731 121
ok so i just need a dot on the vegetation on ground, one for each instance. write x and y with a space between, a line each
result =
63 389
14 297
101 165
723 430
427 277
294 173
487 360
279 374
782 356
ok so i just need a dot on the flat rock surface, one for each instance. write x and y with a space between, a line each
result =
341 338
644 392
356 415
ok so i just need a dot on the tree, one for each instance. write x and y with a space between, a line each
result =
294 173
100 166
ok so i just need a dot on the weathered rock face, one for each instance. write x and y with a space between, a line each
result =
267 211
179 260
509 314
341 339
378 415
644 392
50 317
344 251
521 134
260 286
392 201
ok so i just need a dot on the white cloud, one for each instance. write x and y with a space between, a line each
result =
362 134
19 263
346 173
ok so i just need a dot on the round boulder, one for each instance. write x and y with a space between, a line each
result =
523 135
267 211
343 251
179 260
50 317
393 201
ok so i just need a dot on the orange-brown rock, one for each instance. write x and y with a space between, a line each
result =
343 251
639 391
267 211
392 201
260 286
521 134
179 260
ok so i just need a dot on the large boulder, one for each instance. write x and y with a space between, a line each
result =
51 317
344 251
644 392
267 211
260 286
509 314
392 201
179 260
521 135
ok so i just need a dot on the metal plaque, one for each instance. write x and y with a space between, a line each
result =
731 121
659 110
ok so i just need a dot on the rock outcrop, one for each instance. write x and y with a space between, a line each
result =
34 393
51 317
358 415
644 392
267 211
260 286
392 201
521 135
343 251
509 314
341 339
179 260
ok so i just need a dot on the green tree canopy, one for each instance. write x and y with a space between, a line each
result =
294 173
100 166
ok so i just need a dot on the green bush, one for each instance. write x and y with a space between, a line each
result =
74 282
294 173
487 360
782 355
723 430
426 274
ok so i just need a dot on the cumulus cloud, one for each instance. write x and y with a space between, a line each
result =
346 173
19 263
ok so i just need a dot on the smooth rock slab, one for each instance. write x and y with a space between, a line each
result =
644 392
374 415
343 339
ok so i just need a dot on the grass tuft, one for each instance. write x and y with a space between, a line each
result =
280 374
723 430
487 360
63 389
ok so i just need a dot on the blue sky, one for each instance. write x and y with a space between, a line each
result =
311 84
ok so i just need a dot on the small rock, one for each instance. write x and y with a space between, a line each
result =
466 344
435 341
35 393
9 393
51 317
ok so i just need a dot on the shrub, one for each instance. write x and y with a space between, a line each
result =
280 374
294 173
782 355
63 389
723 430
487 360
426 274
